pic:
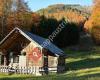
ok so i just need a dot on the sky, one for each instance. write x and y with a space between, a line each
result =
35 5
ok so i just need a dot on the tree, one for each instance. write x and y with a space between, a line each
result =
44 26
93 24
95 17
14 13
20 16
5 9
68 36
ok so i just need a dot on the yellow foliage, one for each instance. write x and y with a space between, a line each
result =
95 17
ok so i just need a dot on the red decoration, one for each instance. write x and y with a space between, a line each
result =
35 55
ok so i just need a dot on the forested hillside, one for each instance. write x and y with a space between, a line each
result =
74 13
47 20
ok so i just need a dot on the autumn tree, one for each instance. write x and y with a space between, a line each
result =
93 24
20 16
14 13
95 17
5 8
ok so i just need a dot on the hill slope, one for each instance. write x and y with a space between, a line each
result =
75 13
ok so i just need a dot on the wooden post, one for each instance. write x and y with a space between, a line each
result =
11 57
0 58
37 73
45 65
5 60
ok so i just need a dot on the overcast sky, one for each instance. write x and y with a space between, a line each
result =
35 5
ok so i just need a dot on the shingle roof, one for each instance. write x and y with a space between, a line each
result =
32 37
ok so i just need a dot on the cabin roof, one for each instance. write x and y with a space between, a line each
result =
32 37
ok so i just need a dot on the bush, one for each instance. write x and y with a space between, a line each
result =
96 34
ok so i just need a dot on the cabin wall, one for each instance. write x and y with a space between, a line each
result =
61 64
56 64
52 61
61 61
29 47
32 57
22 61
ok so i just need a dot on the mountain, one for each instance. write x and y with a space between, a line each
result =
72 12
63 7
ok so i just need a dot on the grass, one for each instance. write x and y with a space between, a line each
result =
79 66
81 60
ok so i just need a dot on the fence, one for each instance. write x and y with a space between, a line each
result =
35 70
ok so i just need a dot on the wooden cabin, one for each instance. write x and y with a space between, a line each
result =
23 49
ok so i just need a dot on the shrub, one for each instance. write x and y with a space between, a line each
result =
96 34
